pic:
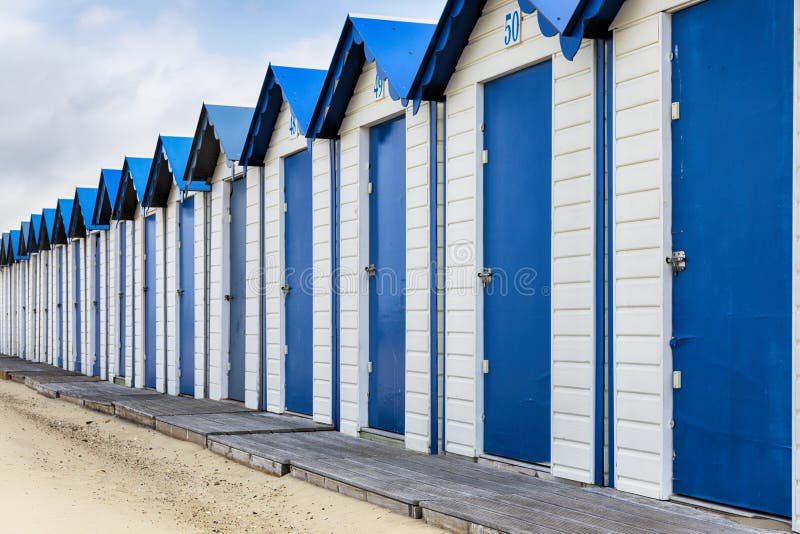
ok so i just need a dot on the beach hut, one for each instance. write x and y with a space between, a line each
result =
689 329
107 189
64 269
86 240
129 214
524 365
386 357
15 293
48 284
231 255
297 375
174 272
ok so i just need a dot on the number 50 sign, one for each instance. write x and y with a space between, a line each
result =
511 30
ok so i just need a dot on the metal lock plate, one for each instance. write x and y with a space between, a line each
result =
485 276
677 261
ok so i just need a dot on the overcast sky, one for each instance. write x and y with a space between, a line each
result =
85 82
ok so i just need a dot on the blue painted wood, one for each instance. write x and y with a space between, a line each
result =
299 278
732 215
150 301
96 307
60 307
238 285
76 296
387 252
121 264
186 221
516 246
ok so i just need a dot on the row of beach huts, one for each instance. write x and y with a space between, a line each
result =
553 234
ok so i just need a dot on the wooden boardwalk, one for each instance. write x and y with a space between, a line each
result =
449 492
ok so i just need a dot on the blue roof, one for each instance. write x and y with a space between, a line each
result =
300 88
397 47
48 221
82 211
15 255
33 239
106 193
24 237
168 168
62 222
133 182
229 125
573 19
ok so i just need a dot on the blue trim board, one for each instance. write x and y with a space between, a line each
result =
335 163
444 279
434 244
599 353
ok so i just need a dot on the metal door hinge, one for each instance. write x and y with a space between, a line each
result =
485 367
228 298
369 367
676 111
369 188
483 417
677 261
179 292
371 270
285 207
286 350
485 157
485 276
228 368
285 288
676 380
180 243
178 373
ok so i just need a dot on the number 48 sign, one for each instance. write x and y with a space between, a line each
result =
511 31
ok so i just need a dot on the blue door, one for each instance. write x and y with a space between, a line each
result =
122 300
236 298
186 295
149 289
732 216
76 295
516 247
299 283
96 306
60 307
387 253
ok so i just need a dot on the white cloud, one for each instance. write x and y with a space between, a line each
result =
96 16
71 107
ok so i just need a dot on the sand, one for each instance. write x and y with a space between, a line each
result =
74 470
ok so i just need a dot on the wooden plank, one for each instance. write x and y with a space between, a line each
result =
229 424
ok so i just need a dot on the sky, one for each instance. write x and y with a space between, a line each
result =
86 82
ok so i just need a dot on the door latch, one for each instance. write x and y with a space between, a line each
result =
371 270
179 292
486 276
228 298
285 288
677 261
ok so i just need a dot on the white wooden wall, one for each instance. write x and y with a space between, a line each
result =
113 300
44 308
218 328
201 341
252 344
104 300
85 304
130 231
162 303
322 290
33 307
94 302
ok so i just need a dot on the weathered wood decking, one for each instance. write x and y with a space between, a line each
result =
446 491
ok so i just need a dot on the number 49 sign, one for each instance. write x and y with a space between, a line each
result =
511 31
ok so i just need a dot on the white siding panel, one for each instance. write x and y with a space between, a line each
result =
642 316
